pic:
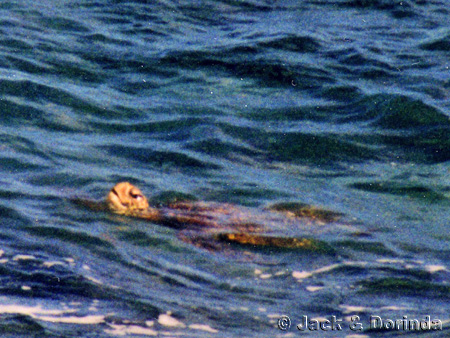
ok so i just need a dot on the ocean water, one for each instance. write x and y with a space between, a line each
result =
343 105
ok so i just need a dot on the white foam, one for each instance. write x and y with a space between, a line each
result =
23 257
122 330
169 321
203 327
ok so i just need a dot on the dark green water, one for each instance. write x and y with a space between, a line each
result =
342 105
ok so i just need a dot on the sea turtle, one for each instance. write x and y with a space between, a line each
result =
205 224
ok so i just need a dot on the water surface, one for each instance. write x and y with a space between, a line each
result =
343 105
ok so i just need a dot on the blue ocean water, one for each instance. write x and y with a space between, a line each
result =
342 104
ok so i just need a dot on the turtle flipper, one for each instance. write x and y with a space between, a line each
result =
203 242
258 241
302 210
224 242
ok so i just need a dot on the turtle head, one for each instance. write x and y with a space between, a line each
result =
126 199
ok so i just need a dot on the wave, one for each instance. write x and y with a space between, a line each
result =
158 159
393 111
401 189
300 147
440 44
